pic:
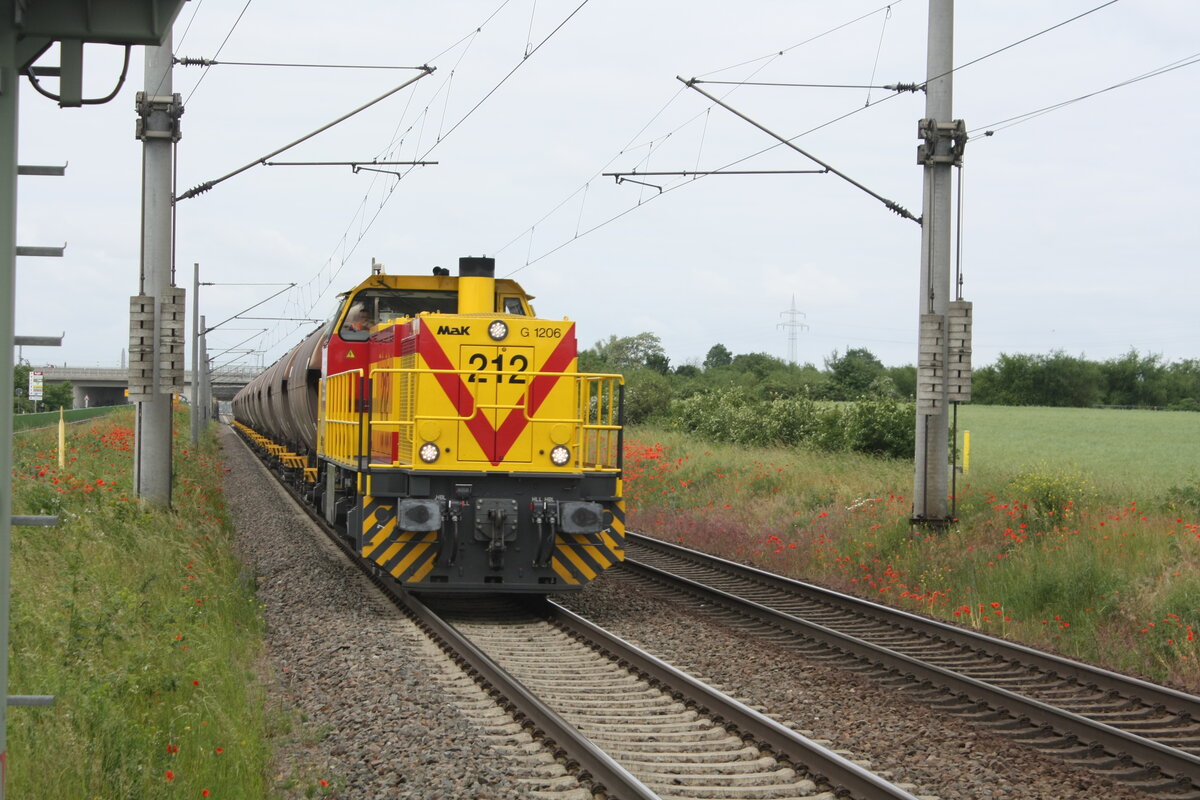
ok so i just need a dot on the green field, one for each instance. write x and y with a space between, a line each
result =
42 419
1077 530
1130 452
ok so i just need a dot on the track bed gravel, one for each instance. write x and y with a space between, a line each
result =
366 705
935 754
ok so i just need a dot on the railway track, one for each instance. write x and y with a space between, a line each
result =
1143 735
623 723
676 737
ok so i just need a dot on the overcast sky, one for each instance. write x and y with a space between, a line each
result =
1079 225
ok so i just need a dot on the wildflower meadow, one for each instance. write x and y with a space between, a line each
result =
138 621
1074 553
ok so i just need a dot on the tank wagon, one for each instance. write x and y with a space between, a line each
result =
447 432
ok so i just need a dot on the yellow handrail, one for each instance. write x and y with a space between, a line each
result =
340 417
595 420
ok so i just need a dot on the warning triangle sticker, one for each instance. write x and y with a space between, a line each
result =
350 354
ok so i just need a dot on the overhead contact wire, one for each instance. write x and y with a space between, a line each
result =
348 249
360 213
887 15
191 62
629 145
204 187
1000 125
225 41
833 121
188 27
1028 38
504 80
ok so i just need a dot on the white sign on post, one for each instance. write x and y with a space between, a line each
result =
35 386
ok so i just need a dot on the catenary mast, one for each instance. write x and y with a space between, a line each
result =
943 359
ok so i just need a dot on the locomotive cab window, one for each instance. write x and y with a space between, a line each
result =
372 307
513 305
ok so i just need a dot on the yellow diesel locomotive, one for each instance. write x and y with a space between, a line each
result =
447 432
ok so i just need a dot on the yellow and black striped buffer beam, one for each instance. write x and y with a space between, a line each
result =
579 558
406 555
410 557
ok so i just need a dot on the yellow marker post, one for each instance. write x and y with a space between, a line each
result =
966 452
62 439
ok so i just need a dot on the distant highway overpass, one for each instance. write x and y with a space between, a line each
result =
108 386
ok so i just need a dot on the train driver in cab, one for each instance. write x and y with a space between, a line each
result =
357 324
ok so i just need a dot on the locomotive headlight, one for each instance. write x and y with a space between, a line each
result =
498 330
560 455
429 452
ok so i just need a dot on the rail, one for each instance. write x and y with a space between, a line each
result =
597 768
1182 766
847 777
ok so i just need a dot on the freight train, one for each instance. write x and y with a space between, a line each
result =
447 432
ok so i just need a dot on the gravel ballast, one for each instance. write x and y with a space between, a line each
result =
934 754
369 702
376 710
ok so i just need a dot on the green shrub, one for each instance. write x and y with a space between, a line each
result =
1185 496
647 395
829 430
792 419
1051 493
881 426
703 414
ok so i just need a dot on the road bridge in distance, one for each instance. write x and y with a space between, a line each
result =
108 386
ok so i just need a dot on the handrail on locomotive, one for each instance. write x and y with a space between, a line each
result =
597 402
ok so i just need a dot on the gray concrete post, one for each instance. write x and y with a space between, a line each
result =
205 395
931 481
152 455
195 353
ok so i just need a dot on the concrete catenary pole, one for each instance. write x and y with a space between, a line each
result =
195 409
203 398
931 483
152 456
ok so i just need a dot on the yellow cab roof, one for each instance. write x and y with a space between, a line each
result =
443 283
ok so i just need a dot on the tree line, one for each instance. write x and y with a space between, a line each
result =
1133 380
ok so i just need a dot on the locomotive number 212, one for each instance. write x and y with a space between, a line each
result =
516 365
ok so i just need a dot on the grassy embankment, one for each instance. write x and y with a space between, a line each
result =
1078 530
138 621
43 419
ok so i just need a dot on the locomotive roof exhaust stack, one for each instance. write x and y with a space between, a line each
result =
476 285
